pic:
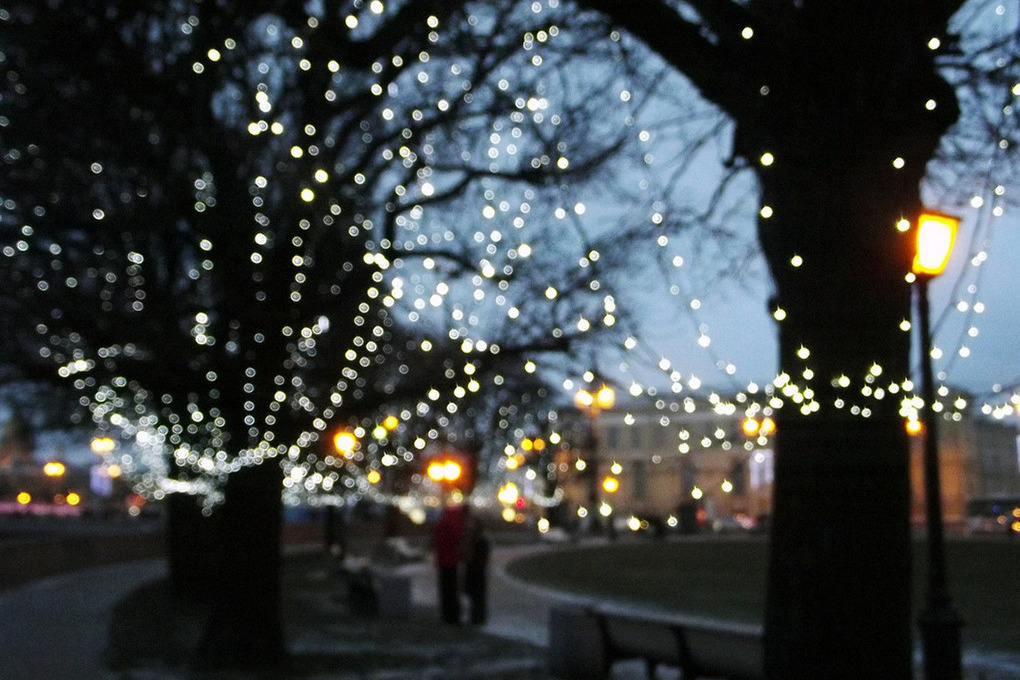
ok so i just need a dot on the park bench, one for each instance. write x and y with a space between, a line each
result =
585 641
376 589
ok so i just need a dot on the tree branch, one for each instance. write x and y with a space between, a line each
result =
690 47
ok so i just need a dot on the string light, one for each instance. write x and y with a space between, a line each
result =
198 435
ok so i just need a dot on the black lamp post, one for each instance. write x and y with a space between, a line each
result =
592 404
939 621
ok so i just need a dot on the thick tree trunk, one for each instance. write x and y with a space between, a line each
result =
245 628
838 601
188 548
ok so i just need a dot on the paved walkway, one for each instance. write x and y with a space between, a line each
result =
57 629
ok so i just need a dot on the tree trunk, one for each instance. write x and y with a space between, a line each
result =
188 549
245 626
838 600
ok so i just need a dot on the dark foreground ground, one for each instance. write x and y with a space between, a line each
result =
151 638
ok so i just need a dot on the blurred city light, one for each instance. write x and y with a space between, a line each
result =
101 445
344 442
444 470
54 468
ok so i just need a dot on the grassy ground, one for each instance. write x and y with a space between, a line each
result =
725 579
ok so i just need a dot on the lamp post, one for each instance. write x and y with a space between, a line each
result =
939 621
334 539
592 404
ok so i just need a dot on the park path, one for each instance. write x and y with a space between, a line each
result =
56 628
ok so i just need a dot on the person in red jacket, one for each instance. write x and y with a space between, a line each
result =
447 543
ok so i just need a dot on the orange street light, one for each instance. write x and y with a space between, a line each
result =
444 471
101 445
54 468
752 426
939 621
936 234
344 442
593 403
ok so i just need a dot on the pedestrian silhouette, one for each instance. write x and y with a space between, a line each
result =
476 563
447 541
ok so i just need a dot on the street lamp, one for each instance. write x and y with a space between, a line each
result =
444 471
939 621
592 404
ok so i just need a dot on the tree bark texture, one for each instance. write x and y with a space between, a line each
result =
245 626
838 601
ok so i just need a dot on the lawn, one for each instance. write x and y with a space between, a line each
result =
725 579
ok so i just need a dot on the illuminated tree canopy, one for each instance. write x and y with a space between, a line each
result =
234 227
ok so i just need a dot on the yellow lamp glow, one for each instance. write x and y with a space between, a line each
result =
605 397
936 234
54 468
444 470
344 442
102 445
593 403
610 484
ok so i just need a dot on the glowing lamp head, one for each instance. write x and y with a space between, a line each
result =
584 399
444 471
101 445
344 442
594 402
605 397
935 237
54 469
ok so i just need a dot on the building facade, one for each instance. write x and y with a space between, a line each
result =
663 460
665 457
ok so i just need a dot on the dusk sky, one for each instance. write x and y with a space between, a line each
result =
743 333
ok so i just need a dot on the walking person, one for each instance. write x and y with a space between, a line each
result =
447 541
476 564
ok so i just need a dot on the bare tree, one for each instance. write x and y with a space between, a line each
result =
213 214
229 199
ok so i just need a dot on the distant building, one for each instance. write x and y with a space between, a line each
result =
666 456
678 458
17 441
978 459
